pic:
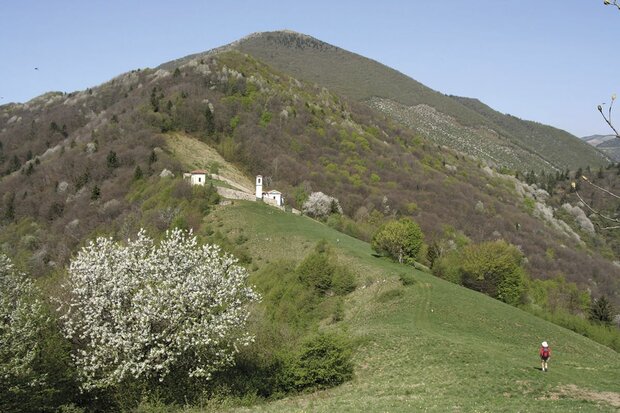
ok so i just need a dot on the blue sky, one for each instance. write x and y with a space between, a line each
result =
551 61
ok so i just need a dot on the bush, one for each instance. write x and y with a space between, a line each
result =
406 278
323 361
447 266
321 271
343 281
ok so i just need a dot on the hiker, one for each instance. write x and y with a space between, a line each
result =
545 355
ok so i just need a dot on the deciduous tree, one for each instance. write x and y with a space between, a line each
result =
22 321
140 310
400 240
494 268
319 205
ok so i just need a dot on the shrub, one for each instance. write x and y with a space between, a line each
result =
323 361
406 278
447 266
142 310
316 271
343 281
321 271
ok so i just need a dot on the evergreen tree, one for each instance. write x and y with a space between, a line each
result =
137 173
601 310
210 122
95 194
112 160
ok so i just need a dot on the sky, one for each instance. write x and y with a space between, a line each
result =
550 61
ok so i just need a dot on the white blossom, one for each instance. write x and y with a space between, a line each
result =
21 322
140 309
320 205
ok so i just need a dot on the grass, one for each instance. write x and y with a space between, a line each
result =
198 155
431 345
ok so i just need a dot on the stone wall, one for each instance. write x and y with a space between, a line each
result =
234 194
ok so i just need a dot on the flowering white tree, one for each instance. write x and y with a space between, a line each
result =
319 205
21 321
141 309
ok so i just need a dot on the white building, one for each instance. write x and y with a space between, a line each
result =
272 197
198 177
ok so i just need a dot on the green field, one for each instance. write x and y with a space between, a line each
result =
430 346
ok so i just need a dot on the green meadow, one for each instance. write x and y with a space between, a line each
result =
429 345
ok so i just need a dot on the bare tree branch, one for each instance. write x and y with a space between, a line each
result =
585 179
594 211
612 3
608 118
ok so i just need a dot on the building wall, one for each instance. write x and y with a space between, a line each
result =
198 179
259 187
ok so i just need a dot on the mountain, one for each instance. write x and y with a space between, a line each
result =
109 160
69 161
463 124
608 144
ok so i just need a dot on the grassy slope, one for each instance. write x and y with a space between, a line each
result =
198 155
432 345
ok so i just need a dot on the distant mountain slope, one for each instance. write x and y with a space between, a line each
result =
524 145
552 144
608 144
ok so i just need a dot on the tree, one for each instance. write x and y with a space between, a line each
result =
142 310
22 322
319 205
95 193
601 310
137 173
112 160
494 268
210 122
9 206
400 240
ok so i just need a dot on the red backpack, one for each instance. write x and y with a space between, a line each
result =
545 352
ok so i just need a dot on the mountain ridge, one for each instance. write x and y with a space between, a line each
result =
362 78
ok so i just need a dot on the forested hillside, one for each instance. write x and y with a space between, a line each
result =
69 159
458 123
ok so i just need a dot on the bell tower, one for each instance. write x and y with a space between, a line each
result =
259 187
